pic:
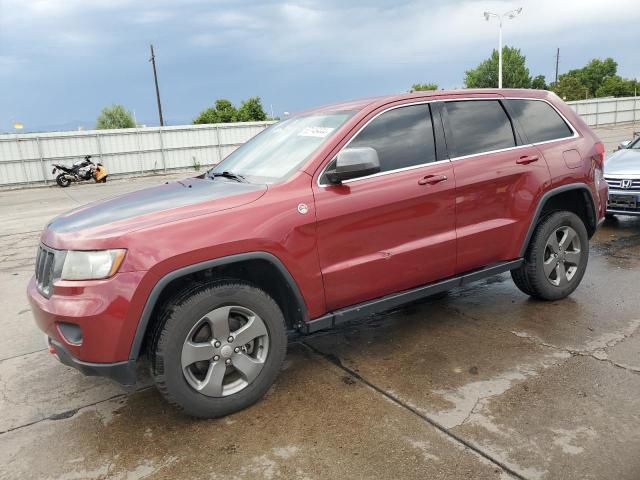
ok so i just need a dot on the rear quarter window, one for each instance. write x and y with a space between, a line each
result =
540 121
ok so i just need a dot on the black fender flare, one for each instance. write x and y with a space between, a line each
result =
583 187
152 299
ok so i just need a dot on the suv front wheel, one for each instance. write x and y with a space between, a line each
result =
218 350
556 258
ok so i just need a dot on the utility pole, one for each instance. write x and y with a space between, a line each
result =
155 77
557 62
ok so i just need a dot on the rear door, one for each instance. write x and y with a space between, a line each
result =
393 230
498 177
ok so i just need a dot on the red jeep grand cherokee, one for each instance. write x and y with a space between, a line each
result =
333 214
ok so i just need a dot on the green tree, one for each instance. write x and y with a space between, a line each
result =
115 116
515 73
251 110
222 112
539 83
617 86
593 74
417 87
226 111
208 115
570 88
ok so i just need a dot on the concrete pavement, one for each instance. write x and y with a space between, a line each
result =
485 383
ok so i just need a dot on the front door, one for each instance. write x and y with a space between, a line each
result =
393 230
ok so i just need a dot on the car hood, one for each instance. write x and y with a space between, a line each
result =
151 206
623 162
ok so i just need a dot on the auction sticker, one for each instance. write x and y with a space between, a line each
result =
319 132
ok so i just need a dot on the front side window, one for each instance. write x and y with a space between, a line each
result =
278 151
403 137
479 126
539 120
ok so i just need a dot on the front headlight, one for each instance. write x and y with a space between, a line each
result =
91 265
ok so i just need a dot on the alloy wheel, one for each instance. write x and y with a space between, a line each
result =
225 351
562 256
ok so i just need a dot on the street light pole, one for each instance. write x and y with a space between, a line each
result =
509 15
500 55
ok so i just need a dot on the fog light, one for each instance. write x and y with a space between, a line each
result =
70 332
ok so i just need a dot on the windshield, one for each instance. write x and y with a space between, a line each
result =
279 150
635 144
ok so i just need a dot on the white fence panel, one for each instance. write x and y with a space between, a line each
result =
608 111
29 158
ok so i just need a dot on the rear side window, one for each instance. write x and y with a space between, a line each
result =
539 120
479 126
403 137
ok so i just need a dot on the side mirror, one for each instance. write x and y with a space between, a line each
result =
624 144
354 163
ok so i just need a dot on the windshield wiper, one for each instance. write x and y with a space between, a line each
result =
231 175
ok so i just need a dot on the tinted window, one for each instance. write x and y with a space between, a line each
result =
403 137
479 126
539 120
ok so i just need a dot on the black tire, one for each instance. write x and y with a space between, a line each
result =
175 327
531 279
62 180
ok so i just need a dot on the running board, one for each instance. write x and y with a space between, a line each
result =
394 300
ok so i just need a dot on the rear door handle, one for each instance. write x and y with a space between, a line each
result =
526 159
432 179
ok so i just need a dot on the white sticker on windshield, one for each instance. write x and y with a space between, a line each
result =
319 132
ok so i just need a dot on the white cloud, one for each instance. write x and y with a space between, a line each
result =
403 31
98 49
362 32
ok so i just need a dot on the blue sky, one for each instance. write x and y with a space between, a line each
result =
61 61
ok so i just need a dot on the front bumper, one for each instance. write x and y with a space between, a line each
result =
90 323
619 209
122 372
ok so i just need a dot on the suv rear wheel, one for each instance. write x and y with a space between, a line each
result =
556 258
219 350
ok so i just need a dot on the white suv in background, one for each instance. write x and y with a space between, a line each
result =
622 173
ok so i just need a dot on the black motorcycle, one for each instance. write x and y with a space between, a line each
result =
78 172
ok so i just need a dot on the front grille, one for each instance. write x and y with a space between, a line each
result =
617 183
624 209
48 268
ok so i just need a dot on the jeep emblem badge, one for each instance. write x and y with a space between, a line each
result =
623 184
303 208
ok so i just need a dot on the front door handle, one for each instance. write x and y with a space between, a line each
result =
432 179
526 159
